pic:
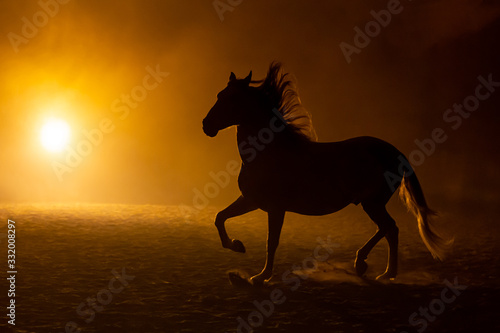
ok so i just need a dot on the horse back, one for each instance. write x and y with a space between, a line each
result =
317 178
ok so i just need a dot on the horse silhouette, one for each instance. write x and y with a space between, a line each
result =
285 169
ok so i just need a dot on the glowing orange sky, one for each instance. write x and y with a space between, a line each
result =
91 54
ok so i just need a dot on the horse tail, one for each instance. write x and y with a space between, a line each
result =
412 195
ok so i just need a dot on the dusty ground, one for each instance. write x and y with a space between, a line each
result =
177 273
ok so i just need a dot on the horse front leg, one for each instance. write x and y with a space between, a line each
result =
239 207
275 222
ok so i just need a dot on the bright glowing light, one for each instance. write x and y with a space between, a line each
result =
55 135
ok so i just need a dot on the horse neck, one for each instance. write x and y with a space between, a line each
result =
264 136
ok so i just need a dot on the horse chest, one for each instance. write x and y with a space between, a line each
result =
253 180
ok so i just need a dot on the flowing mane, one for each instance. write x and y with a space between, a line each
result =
282 94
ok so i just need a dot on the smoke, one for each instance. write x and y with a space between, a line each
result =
91 53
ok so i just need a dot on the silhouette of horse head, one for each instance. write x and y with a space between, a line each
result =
230 106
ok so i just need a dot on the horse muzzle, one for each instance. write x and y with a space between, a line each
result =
209 130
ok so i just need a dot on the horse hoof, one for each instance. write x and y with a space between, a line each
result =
237 246
239 278
242 279
361 267
386 276
257 281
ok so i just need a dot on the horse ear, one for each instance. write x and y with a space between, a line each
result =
248 78
232 77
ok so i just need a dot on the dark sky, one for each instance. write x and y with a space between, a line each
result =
85 55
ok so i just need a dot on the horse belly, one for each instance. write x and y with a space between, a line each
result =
321 178
309 194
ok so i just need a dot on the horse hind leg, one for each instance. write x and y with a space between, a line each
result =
362 254
386 228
